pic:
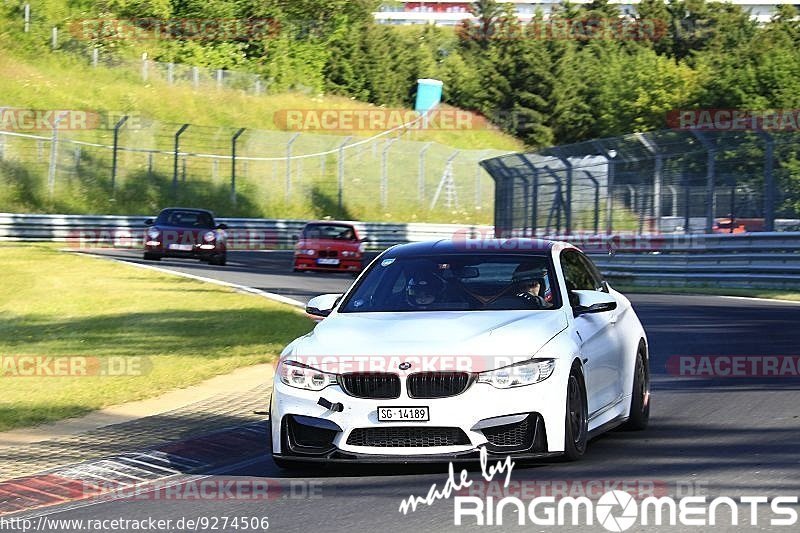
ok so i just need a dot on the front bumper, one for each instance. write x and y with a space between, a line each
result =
475 413
345 265
198 251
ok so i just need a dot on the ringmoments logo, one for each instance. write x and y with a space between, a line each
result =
618 511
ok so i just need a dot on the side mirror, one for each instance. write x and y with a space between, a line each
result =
322 305
593 302
149 222
222 226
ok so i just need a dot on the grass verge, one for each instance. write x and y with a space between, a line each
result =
173 332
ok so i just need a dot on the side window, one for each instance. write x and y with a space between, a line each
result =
596 276
576 275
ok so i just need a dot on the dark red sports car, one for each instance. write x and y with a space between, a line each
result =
185 232
329 246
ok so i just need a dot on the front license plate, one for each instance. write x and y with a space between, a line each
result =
324 261
403 414
181 247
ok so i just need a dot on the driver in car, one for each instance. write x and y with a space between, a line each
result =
423 289
529 283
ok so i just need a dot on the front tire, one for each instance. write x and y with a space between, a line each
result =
218 260
577 416
151 257
639 416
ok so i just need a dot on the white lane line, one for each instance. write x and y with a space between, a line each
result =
126 459
244 288
776 300
125 469
171 458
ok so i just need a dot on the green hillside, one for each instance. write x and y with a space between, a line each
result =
32 76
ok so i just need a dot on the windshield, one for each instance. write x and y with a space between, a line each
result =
455 282
185 219
329 231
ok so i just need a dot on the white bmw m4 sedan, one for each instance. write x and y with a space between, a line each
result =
440 349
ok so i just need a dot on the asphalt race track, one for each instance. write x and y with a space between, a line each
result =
722 437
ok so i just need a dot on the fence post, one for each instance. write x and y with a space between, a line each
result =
340 179
687 195
76 154
609 155
219 78
117 127
95 57
258 86
596 201
478 183
27 18
170 73
769 182
195 77
233 164
710 178
421 173
568 200
674 201
144 66
385 172
150 162
289 165
54 38
652 147
175 160
51 171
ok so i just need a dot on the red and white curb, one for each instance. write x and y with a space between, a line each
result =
93 479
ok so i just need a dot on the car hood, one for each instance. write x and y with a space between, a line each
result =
482 334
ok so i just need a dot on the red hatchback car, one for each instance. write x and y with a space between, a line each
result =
329 246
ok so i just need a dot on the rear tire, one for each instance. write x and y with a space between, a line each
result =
151 257
217 260
576 420
639 416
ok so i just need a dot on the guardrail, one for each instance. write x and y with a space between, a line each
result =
763 260
245 233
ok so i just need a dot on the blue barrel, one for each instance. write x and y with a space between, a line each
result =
429 94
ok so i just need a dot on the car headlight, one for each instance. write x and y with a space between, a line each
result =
209 236
300 376
308 252
153 233
519 374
